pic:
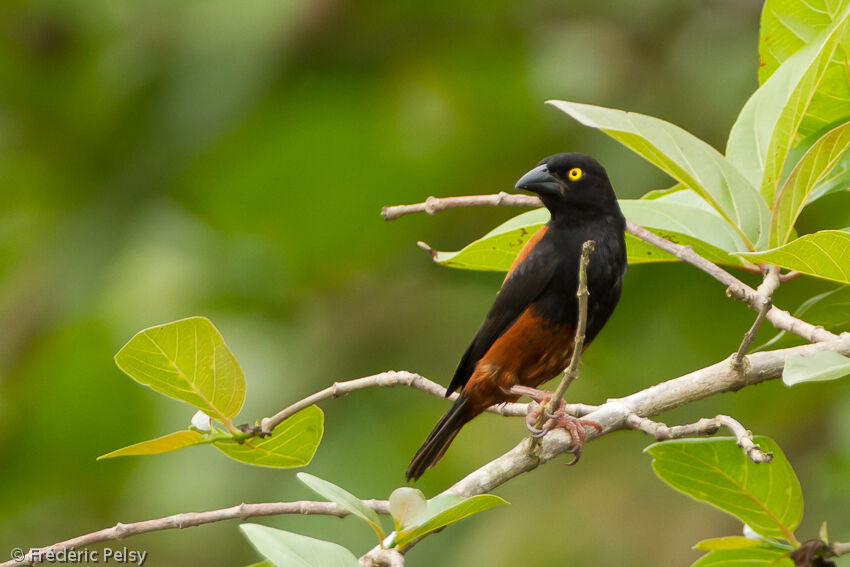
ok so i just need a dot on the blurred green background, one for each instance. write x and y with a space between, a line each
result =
166 159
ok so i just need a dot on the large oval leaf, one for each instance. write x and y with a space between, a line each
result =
804 179
286 549
770 121
187 360
685 158
766 497
824 254
292 443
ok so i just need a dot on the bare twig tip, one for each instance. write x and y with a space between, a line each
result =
424 246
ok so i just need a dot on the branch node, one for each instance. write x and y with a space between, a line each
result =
432 205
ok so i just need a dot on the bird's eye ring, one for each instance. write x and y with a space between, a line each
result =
575 174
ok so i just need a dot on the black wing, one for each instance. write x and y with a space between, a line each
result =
524 285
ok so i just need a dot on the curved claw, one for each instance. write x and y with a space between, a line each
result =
536 433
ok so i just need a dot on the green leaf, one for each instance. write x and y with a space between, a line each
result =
819 367
804 179
770 121
766 497
837 180
164 444
664 214
497 249
407 505
755 557
444 510
346 500
789 25
286 549
292 443
687 159
824 254
262 564
728 542
187 360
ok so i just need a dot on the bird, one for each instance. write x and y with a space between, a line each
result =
527 336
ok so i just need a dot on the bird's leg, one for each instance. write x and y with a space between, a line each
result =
574 426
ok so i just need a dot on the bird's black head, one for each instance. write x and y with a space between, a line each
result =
571 184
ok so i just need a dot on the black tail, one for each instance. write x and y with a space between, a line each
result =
439 439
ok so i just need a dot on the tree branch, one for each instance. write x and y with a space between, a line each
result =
705 426
191 519
615 413
734 287
385 380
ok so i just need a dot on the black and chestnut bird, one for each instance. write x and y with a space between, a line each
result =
527 336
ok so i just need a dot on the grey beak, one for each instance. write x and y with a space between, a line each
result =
540 181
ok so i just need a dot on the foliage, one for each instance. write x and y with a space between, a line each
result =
187 360
413 517
739 206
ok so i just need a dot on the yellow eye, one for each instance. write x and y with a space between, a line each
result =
575 174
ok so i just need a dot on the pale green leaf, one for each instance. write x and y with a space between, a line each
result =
766 497
756 557
188 361
789 25
824 254
496 250
345 499
164 444
444 510
687 159
769 123
292 443
286 549
804 179
666 214
818 367
407 505
728 542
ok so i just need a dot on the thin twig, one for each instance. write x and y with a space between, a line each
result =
434 205
191 519
734 287
704 426
571 373
765 290
386 379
